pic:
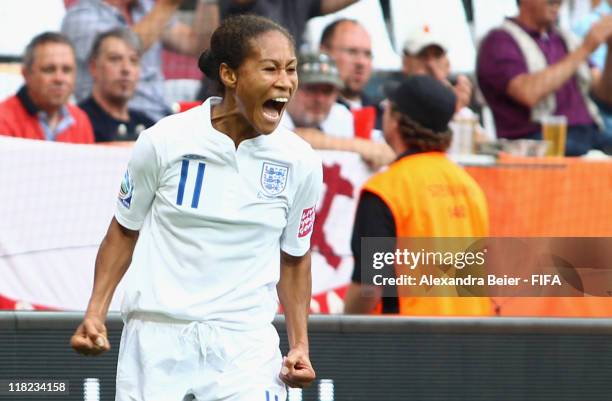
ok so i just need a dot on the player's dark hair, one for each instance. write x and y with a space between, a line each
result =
42 39
231 43
330 30
421 139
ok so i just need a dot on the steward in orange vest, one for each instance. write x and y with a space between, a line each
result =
422 194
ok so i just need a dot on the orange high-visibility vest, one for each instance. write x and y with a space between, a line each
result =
430 196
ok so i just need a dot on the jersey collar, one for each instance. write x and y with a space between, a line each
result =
207 113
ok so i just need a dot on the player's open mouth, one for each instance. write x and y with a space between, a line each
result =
272 108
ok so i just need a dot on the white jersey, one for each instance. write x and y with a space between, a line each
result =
213 219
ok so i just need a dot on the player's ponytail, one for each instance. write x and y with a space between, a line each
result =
209 65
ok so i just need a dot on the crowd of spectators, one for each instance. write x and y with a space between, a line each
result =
526 69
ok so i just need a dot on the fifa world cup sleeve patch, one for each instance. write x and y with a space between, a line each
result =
306 222
126 190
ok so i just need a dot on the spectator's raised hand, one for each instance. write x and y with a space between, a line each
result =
600 32
438 67
463 90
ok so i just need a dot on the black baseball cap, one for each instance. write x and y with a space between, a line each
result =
423 99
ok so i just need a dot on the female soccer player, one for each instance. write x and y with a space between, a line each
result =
214 217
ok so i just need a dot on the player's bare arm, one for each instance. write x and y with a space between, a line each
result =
113 259
294 291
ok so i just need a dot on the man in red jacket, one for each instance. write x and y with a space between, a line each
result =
40 109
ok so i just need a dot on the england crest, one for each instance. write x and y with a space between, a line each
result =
273 178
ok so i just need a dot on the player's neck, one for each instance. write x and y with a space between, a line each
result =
227 118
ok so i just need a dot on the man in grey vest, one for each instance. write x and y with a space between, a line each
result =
529 68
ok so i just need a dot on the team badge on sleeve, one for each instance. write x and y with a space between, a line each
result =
273 178
126 190
306 222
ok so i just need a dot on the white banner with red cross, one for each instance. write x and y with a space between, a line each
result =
57 200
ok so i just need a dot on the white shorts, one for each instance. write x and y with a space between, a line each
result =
163 359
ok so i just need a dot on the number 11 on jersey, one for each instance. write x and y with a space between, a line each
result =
198 184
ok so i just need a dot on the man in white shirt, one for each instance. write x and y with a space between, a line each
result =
349 44
314 104
317 117
425 53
